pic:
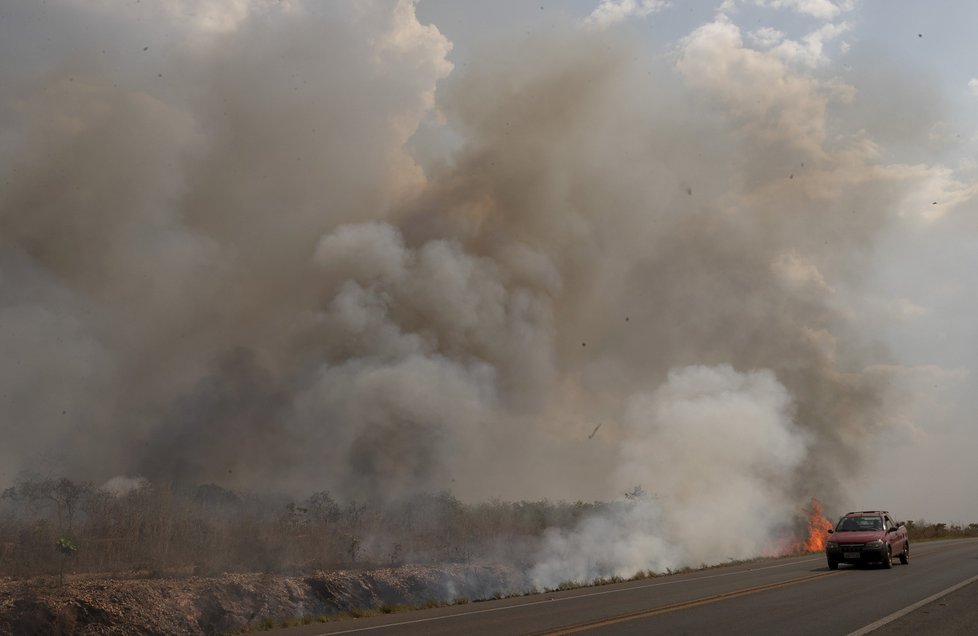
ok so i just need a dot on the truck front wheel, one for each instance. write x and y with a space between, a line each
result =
833 564
888 558
905 555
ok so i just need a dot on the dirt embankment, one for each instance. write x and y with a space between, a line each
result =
230 602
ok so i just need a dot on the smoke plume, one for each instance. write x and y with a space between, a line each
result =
221 261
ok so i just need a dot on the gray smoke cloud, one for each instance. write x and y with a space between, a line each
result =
220 261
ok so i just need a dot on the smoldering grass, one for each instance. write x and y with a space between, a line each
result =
267 623
602 580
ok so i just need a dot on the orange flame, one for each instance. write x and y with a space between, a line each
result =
818 527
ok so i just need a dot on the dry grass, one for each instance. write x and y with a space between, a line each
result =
164 530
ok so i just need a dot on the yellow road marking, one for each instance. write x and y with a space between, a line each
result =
930 549
665 609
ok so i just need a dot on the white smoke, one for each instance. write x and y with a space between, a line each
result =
123 485
716 450
719 448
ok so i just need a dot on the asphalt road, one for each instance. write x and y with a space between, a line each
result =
797 595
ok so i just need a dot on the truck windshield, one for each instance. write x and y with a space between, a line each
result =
857 524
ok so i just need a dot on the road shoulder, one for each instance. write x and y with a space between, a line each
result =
951 615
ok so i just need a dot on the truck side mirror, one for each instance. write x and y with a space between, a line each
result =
831 530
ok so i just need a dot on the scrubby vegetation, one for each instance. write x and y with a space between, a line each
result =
54 525
163 529
922 530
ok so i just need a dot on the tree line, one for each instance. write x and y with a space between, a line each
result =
922 530
49 524
157 529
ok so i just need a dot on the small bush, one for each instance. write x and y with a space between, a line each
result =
362 613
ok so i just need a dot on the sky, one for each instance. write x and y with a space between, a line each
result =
720 250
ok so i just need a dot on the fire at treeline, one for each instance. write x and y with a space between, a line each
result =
160 529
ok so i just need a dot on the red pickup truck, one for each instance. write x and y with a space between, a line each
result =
870 536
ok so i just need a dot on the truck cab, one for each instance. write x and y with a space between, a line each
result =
869 536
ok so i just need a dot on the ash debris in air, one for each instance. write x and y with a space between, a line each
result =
244 274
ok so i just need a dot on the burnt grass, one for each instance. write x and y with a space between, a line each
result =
234 603
169 559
